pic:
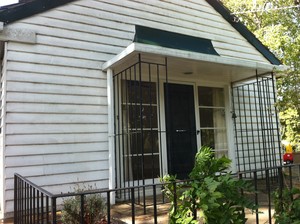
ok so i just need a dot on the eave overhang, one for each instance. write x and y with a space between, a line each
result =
241 69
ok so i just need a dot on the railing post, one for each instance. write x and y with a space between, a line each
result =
38 204
242 191
269 195
256 196
280 174
47 209
108 206
132 205
53 209
30 204
175 198
42 207
144 200
21 201
290 176
194 209
34 205
27 203
82 208
154 204
16 199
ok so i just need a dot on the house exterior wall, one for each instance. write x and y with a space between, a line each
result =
56 96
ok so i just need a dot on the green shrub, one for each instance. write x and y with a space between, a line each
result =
94 208
214 193
287 206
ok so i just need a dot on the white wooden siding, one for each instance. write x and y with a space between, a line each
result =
56 94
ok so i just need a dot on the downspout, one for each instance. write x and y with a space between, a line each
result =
3 130
111 135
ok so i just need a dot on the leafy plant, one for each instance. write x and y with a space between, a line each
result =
94 208
212 192
287 206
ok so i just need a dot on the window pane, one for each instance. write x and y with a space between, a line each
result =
145 114
214 138
141 92
207 138
220 139
143 167
219 154
212 117
206 117
147 144
209 96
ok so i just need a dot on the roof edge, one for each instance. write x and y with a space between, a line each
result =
244 31
12 13
169 52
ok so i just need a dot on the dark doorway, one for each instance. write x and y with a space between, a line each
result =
181 128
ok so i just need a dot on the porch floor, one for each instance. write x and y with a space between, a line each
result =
121 214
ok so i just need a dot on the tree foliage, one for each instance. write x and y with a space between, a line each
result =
276 23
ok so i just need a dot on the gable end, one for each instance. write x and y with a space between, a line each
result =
243 30
12 13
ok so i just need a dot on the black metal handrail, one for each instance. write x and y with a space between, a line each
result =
31 207
31 202
268 180
34 204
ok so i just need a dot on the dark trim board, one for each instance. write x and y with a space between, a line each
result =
12 13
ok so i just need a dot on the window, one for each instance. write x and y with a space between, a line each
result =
212 119
139 111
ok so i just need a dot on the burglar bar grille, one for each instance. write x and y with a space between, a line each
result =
138 126
257 136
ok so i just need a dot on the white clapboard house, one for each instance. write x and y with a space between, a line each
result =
119 92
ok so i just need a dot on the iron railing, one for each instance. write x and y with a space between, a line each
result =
33 204
266 182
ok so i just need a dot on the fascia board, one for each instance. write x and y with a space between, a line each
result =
168 52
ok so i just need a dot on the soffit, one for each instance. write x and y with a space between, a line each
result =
181 62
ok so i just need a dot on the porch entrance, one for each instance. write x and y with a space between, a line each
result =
158 126
181 128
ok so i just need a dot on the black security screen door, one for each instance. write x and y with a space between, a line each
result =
181 128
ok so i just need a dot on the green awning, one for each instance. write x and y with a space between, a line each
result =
172 40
